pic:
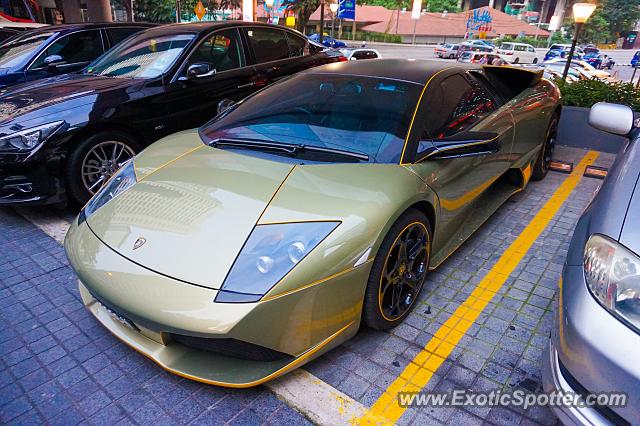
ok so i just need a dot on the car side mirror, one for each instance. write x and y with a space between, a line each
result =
611 118
200 70
465 144
51 62
225 104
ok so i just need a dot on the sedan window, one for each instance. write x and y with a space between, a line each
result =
268 44
222 51
352 113
83 46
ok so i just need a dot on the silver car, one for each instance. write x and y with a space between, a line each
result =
595 344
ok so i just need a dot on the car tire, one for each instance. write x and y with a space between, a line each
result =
85 168
541 166
515 61
393 290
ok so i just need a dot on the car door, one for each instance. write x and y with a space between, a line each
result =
531 54
277 53
192 101
76 50
454 104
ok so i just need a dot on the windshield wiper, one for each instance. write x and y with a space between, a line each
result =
288 148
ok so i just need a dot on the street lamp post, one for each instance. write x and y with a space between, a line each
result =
581 12
334 9
321 21
268 5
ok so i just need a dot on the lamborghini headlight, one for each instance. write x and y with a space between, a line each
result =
271 251
28 139
612 273
119 182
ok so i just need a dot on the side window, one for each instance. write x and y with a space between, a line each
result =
373 55
119 34
455 106
268 44
297 45
83 46
360 55
221 50
531 49
521 48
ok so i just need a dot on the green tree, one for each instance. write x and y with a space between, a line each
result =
442 5
621 15
596 29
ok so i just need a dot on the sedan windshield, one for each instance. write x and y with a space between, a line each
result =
19 49
143 56
356 114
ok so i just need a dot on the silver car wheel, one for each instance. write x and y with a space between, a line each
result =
102 161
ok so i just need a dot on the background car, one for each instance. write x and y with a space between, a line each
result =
305 210
584 66
328 41
595 341
636 58
49 51
518 53
358 53
474 46
598 60
77 129
481 58
446 50
561 51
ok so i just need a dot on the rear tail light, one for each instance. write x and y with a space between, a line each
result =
343 58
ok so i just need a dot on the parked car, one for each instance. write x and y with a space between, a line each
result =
518 53
67 135
482 58
561 51
585 66
328 41
595 342
474 46
636 58
53 50
598 60
446 50
358 53
296 216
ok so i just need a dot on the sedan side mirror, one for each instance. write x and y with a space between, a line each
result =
200 70
611 118
466 144
225 104
51 62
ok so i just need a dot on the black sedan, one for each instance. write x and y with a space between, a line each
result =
48 51
65 136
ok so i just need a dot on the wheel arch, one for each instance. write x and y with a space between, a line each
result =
92 129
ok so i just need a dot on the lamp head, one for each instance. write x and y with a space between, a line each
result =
582 12
333 7
268 3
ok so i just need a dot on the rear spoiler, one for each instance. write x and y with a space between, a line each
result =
523 77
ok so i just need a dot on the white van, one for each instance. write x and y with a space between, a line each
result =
518 53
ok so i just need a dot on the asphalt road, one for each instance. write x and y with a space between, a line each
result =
407 51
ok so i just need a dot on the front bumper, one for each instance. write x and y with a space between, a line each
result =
30 183
591 351
145 310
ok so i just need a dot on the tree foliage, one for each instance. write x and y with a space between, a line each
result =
303 9
164 11
610 18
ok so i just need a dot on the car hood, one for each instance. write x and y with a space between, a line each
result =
33 98
195 213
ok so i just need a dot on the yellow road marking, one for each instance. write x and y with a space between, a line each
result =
419 371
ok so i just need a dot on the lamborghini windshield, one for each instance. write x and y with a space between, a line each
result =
354 114
141 56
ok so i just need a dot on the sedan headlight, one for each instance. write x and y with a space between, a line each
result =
612 273
268 255
119 182
28 139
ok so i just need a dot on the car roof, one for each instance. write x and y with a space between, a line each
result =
416 71
89 26
197 27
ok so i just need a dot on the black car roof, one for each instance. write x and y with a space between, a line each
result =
197 27
88 26
416 71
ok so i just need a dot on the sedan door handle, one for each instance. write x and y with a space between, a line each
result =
244 86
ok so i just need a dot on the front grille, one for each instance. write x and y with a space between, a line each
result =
231 347
605 411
